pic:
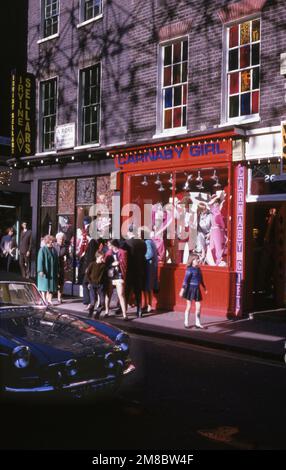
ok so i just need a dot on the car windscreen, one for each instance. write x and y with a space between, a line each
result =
19 294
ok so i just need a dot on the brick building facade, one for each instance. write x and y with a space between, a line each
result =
139 80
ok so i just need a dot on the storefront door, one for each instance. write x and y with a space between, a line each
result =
265 256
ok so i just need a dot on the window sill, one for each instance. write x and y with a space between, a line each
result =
48 38
87 146
241 121
172 133
43 154
92 20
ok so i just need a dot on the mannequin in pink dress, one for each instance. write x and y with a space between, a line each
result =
217 232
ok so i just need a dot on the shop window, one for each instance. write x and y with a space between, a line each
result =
266 178
186 212
50 17
90 9
48 111
174 85
243 69
90 104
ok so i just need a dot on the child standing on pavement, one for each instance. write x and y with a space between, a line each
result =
191 290
96 277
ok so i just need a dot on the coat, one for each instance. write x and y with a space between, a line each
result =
122 258
47 264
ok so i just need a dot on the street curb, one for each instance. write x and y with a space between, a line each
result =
198 341
165 333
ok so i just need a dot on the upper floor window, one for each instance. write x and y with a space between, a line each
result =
48 112
50 17
243 69
90 9
90 104
174 89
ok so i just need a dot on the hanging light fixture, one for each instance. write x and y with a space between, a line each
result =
217 183
161 188
170 180
158 181
144 182
214 176
199 179
186 186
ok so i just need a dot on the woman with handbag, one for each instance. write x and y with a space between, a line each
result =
116 262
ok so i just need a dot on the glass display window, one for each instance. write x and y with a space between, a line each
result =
186 212
266 179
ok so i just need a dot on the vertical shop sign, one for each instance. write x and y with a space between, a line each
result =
22 115
240 236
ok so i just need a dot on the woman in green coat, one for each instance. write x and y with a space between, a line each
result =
47 270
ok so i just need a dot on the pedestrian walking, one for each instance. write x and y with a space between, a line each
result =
136 274
116 263
25 248
97 278
191 290
8 247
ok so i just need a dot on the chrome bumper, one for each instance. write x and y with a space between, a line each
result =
85 385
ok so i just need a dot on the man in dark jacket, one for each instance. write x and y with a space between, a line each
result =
136 272
25 247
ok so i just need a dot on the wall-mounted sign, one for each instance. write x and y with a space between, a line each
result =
65 136
22 115
174 155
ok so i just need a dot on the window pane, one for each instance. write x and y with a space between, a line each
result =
185 50
177 52
184 116
168 98
177 74
177 96
255 78
167 76
234 83
255 102
167 55
233 60
233 106
245 104
244 57
185 94
177 117
168 119
255 30
233 36
255 54
245 80
184 72
245 33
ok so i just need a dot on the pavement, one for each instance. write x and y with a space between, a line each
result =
261 334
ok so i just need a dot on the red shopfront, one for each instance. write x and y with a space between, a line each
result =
197 178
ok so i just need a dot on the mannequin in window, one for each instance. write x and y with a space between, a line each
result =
186 215
217 231
204 224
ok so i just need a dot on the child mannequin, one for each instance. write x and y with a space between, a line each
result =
191 290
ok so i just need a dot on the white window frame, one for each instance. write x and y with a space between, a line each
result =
160 131
41 116
82 20
225 93
82 145
52 36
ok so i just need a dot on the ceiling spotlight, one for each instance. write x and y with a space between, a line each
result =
199 178
214 176
217 184
158 181
144 182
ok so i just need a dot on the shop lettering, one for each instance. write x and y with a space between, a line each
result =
170 154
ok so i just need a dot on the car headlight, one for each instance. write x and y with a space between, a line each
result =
122 340
72 367
21 356
111 362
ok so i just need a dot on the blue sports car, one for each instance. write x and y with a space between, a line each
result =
43 351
